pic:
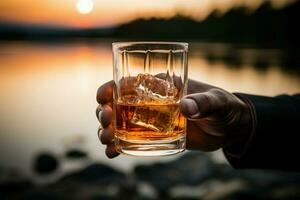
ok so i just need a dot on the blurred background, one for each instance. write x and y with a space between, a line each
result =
55 54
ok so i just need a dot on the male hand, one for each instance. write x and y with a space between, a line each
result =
215 117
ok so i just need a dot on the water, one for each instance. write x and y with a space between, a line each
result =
47 99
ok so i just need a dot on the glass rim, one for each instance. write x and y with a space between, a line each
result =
124 44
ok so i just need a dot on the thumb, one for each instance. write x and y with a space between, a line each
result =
200 105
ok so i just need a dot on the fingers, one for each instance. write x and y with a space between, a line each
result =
106 135
199 105
104 115
198 139
105 93
111 151
105 132
189 108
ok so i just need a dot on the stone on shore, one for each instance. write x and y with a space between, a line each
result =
76 154
190 169
96 173
45 163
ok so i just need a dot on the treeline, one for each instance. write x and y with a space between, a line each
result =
265 26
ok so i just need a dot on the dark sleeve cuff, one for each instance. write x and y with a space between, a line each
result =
234 152
273 142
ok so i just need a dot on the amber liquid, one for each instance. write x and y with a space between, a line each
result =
148 123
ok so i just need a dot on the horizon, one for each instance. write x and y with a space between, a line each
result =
98 13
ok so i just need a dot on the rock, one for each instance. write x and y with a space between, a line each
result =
240 189
269 177
128 188
257 177
220 190
14 188
76 154
45 163
96 174
190 169
147 191
44 194
102 197
262 184
287 191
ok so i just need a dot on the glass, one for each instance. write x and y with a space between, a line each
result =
150 79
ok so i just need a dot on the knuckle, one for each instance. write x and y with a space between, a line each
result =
219 95
109 152
102 140
103 137
97 112
107 136
217 92
104 92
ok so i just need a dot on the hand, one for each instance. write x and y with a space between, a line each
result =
104 115
215 117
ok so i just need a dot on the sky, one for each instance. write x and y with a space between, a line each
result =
105 13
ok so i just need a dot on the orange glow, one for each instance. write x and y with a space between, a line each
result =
109 13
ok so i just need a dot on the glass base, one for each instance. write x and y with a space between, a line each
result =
150 148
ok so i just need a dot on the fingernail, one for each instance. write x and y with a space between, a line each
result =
191 107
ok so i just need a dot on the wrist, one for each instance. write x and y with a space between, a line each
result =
245 128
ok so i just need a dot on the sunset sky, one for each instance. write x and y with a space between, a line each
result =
91 13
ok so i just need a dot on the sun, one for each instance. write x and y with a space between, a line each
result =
84 6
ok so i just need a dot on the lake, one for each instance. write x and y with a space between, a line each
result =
48 90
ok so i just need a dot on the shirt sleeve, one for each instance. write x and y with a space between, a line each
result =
273 142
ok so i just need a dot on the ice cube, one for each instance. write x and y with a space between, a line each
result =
157 110
150 88
154 100
159 118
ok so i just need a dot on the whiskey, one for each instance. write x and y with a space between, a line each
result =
147 118
148 123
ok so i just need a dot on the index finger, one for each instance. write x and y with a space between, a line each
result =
105 93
